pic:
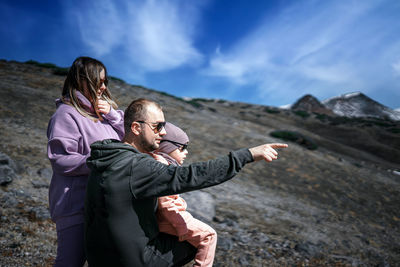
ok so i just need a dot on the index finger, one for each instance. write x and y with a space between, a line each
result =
278 145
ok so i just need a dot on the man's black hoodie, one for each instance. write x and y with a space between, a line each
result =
121 199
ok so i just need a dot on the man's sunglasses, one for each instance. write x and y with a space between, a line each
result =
158 127
181 147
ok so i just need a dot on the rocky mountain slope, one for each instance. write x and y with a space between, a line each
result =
335 205
311 104
359 105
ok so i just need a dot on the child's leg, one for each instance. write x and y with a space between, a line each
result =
203 237
166 227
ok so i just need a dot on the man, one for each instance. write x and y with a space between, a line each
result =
121 201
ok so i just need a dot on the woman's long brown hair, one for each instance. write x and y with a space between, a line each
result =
86 70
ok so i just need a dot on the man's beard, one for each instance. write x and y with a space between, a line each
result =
147 146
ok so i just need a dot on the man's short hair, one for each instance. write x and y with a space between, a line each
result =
137 111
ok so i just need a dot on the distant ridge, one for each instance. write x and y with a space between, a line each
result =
356 104
311 104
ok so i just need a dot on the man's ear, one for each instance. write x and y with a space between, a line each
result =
136 128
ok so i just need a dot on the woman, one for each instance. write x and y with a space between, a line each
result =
85 114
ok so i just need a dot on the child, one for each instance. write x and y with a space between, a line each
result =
172 215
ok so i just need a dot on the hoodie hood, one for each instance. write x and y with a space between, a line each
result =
104 153
174 134
168 158
82 99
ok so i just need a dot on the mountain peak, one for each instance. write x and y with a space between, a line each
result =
353 94
310 104
357 104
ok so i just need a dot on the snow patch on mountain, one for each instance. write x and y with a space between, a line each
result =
356 104
287 106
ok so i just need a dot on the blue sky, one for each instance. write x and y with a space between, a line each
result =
259 51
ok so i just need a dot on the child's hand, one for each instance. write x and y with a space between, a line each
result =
102 106
159 158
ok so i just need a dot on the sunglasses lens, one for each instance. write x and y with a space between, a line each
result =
184 147
180 146
160 126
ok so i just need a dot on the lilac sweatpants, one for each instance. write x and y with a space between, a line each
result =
70 247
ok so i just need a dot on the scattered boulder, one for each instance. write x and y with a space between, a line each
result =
43 181
200 204
225 243
38 213
243 261
7 169
40 184
6 175
8 200
6 160
45 173
307 248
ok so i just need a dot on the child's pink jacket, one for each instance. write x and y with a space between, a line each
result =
172 209
173 219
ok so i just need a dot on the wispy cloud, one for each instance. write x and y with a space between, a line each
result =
99 24
155 35
396 67
314 46
161 35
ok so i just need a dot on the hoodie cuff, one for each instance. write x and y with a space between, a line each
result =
112 116
244 155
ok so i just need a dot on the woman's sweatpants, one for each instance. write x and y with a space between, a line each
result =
70 247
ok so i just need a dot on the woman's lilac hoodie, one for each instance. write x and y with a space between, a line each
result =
70 135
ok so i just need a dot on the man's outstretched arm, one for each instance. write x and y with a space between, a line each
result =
153 179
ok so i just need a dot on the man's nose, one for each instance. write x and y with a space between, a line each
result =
163 132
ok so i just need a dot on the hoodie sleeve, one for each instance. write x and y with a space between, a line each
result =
116 119
64 148
150 178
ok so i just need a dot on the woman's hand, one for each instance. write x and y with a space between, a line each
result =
102 106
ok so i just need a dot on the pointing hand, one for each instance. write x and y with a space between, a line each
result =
266 152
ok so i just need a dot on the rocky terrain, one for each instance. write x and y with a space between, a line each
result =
333 204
